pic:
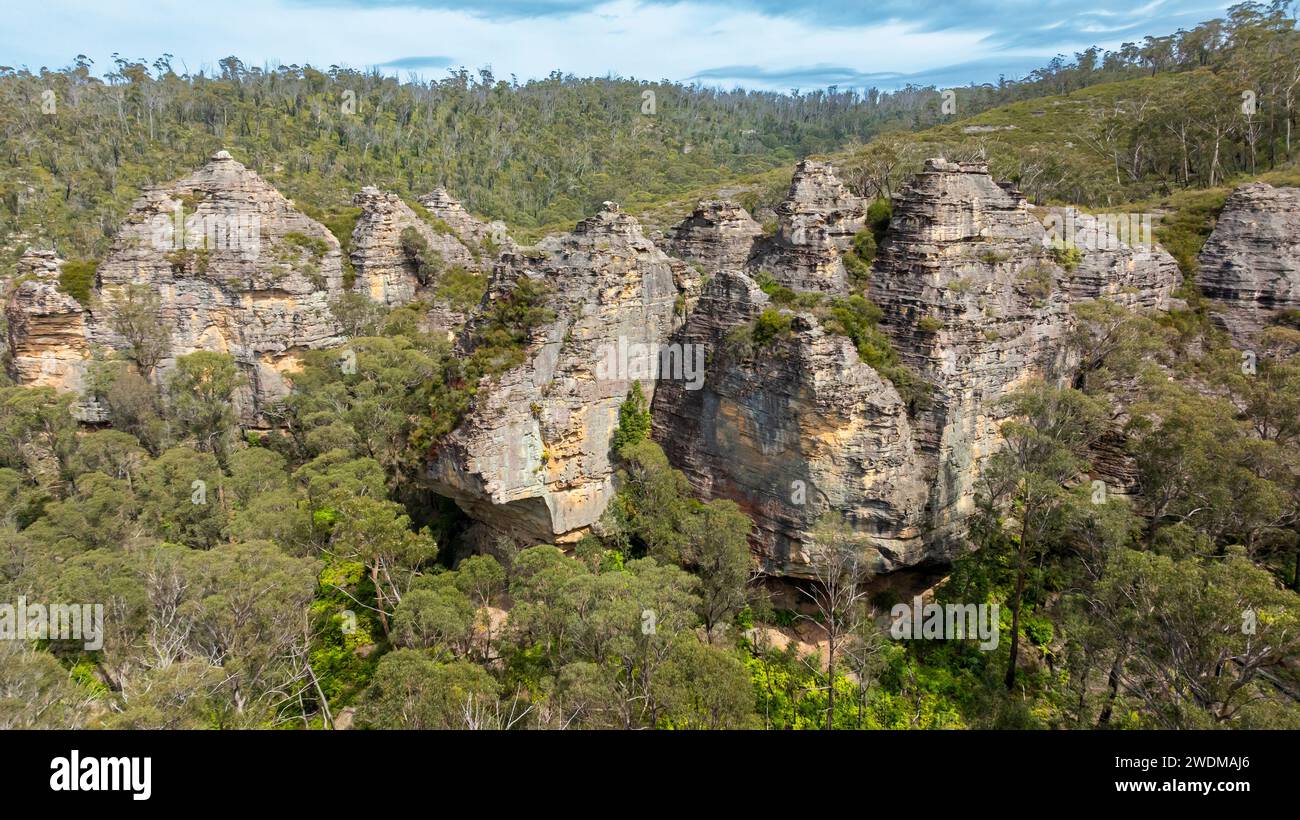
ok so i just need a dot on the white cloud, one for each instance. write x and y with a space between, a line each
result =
649 41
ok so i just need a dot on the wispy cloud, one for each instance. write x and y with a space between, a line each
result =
435 61
822 75
1007 22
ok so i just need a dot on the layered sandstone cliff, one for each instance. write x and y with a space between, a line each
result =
1250 265
449 242
976 306
237 268
48 332
385 270
532 457
793 431
1120 261
976 301
718 235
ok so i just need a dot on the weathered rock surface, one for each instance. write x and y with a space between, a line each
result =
1139 275
718 235
385 272
238 270
975 305
488 238
798 429
47 328
456 240
532 457
815 225
1250 265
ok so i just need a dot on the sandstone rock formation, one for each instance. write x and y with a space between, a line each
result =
815 225
798 429
718 235
488 238
1137 274
48 333
532 457
385 272
1250 265
455 241
238 270
976 306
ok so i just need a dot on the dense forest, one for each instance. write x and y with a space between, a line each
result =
306 578
76 147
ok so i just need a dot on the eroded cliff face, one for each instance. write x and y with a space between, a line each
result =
483 239
48 333
238 269
385 271
455 241
1250 265
718 235
531 459
800 428
1137 274
974 298
976 306
974 302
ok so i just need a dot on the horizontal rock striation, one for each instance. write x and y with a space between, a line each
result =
792 431
976 306
718 235
48 334
238 270
1137 274
1250 265
384 270
815 225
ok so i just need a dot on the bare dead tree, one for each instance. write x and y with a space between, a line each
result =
839 570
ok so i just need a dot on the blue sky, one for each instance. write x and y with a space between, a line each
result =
766 44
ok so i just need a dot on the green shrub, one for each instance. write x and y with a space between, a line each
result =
858 259
341 223
770 325
1068 256
77 279
878 215
461 288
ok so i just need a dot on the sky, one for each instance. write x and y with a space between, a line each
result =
776 45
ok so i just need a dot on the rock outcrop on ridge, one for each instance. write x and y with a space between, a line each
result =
718 235
238 270
1250 265
815 225
454 240
1136 273
974 295
976 306
532 457
384 270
